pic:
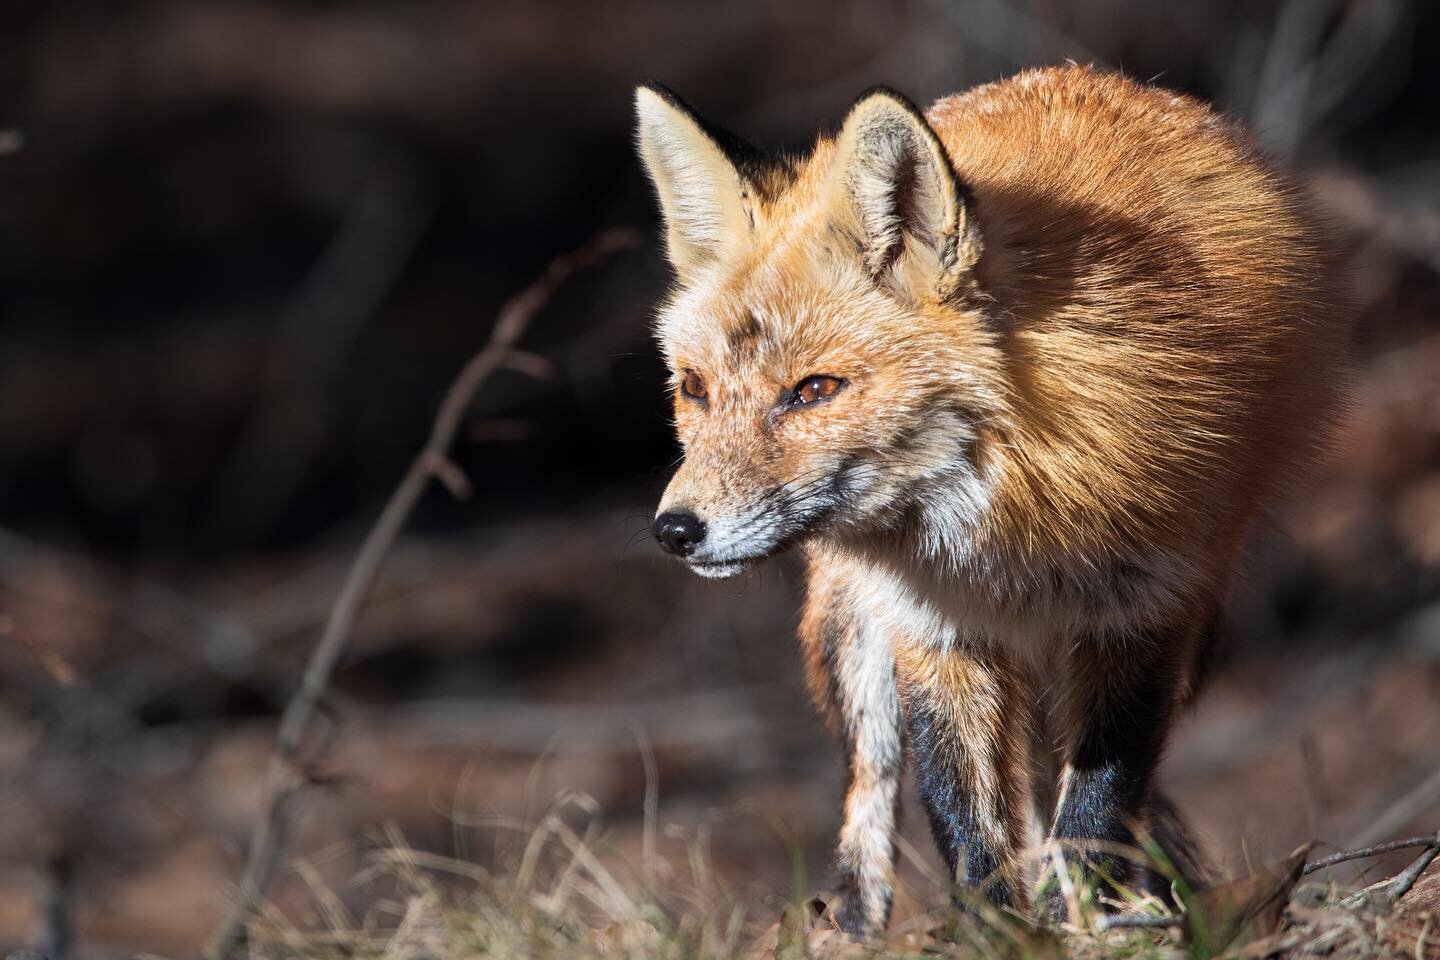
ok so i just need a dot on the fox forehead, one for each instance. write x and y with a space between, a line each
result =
709 329
775 314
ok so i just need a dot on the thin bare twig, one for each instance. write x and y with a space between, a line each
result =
57 666
1387 893
1429 840
1392 890
287 778
1402 884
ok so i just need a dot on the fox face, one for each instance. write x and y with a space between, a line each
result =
1022 459
829 370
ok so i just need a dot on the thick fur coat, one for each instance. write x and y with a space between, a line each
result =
1019 375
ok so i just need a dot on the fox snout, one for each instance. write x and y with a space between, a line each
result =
679 532
720 529
712 555
717 542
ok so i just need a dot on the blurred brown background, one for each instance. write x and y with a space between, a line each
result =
245 245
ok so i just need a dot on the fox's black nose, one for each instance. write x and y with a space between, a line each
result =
679 532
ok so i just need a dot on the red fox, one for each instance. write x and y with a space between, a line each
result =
1017 374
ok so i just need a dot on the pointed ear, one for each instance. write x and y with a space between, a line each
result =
892 191
704 177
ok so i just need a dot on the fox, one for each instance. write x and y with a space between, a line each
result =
1019 375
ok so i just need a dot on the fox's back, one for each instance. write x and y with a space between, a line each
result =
1018 373
1169 314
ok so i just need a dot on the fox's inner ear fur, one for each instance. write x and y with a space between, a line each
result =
701 175
892 191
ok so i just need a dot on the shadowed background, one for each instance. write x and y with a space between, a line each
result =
244 246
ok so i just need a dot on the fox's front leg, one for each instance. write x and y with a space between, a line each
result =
970 717
852 676
1121 696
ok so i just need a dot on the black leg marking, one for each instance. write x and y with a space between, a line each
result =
1122 728
951 806
969 724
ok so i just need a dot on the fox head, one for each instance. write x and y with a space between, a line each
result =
831 364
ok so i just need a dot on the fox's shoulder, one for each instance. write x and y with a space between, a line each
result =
1077 101
1142 169
1091 133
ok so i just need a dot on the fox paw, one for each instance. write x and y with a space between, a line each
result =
844 913
815 926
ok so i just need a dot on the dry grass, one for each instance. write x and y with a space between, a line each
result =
555 890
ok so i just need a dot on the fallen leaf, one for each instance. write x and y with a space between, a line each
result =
1253 906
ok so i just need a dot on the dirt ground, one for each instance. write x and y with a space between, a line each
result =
245 244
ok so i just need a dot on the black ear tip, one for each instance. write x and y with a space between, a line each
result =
889 93
655 87
882 90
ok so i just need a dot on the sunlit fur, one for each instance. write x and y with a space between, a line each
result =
1076 373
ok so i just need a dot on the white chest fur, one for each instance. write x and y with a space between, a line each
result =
1031 609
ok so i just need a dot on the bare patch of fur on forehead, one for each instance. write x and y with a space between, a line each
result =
694 323
752 333
792 303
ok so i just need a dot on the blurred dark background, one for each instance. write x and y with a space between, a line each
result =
244 246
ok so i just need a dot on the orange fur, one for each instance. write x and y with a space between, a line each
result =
977 713
1086 335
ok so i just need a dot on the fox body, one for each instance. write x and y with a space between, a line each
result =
1018 375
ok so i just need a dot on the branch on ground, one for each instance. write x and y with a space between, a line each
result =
288 777
1380 849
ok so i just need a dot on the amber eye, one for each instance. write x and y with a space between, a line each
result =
692 385
817 388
